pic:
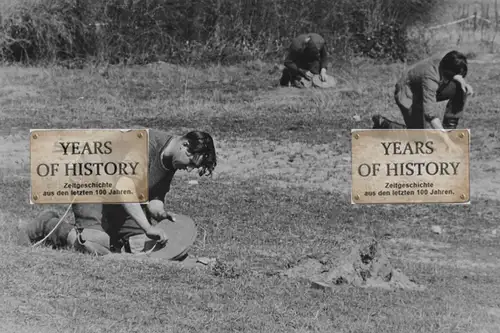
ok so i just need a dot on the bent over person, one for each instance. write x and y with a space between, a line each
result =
435 79
307 56
106 228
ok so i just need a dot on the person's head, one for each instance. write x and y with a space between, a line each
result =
311 49
195 150
453 63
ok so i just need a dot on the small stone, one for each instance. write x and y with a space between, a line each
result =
356 118
206 261
436 229
321 285
193 182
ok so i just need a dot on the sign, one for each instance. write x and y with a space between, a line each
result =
410 166
89 166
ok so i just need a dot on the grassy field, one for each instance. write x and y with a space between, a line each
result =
281 192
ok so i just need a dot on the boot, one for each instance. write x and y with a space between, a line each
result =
376 121
43 224
381 122
297 83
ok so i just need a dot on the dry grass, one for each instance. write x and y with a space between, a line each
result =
281 192
478 37
37 31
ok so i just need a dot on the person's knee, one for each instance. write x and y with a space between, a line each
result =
138 243
87 215
89 247
91 241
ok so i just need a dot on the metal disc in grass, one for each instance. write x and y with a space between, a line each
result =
181 236
330 82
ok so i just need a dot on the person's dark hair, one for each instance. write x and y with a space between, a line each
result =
311 49
454 63
201 145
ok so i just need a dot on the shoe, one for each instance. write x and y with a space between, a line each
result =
43 224
376 121
381 122
298 84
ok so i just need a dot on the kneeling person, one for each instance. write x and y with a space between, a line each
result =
307 56
107 228
423 85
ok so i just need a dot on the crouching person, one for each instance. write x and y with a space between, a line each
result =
307 56
423 85
106 228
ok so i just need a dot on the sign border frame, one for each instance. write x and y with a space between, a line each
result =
467 202
34 130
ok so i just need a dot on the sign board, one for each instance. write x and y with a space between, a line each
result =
89 166
410 166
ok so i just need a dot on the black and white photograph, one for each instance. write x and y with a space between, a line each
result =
326 166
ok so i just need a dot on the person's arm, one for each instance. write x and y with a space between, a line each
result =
134 209
436 124
455 107
291 62
462 91
429 89
157 210
323 61
466 88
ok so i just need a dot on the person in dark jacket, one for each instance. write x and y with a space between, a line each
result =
307 56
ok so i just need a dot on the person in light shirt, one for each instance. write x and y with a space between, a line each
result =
107 228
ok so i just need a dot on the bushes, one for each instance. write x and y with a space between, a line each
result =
189 31
46 30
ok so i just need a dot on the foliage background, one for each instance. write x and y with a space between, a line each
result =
206 31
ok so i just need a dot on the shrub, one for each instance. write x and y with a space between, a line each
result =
189 31
47 30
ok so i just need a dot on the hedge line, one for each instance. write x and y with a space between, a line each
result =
201 31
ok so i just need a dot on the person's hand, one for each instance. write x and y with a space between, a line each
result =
157 210
460 79
322 74
467 88
170 216
157 234
309 75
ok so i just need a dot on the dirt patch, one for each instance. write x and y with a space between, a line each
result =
485 178
323 166
443 254
286 164
366 266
